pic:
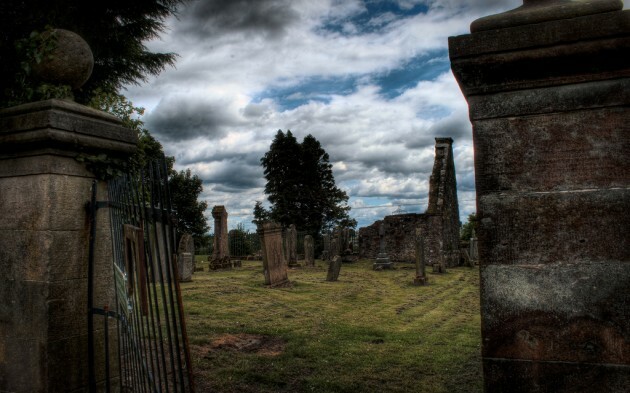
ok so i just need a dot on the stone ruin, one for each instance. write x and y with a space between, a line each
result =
220 258
439 225
186 257
547 87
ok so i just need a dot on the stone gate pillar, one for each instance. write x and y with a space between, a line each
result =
44 239
548 92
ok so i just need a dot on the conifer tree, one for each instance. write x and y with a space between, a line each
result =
301 187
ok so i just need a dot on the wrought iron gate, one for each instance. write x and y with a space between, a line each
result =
152 345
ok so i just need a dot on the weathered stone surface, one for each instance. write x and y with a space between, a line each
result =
309 251
440 224
69 63
536 11
186 257
334 268
221 248
291 243
44 242
548 103
275 264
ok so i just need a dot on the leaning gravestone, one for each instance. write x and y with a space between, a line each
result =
334 267
274 262
309 251
185 257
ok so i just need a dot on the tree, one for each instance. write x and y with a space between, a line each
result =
260 214
115 30
469 228
185 189
301 186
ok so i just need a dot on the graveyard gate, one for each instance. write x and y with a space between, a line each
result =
150 350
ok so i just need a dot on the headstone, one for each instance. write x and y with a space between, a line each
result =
292 246
186 264
276 265
421 275
547 89
309 251
382 260
220 257
334 267
326 252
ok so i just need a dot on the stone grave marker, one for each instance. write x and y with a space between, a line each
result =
274 262
292 246
186 263
334 267
421 275
309 250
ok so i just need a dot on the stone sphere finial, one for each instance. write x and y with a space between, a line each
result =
70 62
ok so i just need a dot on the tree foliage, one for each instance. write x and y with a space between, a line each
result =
301 187
115 30
469 228
185 187
185 190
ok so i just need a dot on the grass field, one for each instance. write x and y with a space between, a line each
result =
371 331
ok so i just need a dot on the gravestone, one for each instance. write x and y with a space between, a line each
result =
326 252
291 246
186 264
382 260
547 89
421 274
334 267
309 251
274 262
220 257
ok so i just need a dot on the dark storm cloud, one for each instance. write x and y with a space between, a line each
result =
214 17
456 126
231 176
177 119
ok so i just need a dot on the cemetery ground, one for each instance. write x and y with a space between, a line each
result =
371 331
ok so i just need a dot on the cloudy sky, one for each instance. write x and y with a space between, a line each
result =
370 79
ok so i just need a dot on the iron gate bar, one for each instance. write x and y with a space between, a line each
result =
152 340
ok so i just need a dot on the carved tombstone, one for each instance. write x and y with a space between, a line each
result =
334 267
382 261
220 253
292 246
186 257
274 262
421 275
326 252
309 250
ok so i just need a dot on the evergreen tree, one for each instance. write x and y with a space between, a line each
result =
260 214
301 187
115 30
185 189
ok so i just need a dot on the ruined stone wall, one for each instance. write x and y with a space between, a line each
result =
547 87
440 224
399 237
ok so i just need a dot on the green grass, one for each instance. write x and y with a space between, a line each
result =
371 331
